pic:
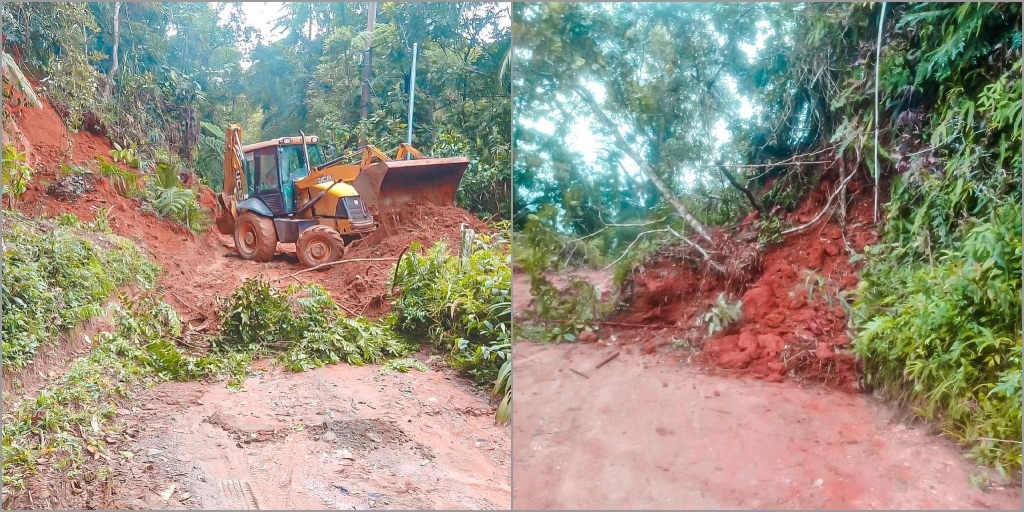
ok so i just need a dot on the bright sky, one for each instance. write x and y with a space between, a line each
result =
589 144
261 15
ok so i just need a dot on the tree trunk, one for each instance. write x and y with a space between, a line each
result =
662 187
364 111
113 54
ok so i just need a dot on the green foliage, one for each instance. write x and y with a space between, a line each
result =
57 275
563 311
179 204
938 312
16 173
125 182
304 325
770 231
463 304
402 366
127 155
722 314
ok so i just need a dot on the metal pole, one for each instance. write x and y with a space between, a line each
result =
412 95
878 57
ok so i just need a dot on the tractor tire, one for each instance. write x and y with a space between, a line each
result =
255 237
319 245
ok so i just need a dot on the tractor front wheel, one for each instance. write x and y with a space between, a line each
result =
255 238
318 245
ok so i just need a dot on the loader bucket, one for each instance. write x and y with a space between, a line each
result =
387 187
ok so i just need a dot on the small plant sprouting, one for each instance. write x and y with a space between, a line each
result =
722 314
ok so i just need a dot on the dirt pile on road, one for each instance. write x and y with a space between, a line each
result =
782 332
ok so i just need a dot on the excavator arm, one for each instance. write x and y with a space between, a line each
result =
234 180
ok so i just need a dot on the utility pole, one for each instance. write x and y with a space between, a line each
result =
371 17
412 95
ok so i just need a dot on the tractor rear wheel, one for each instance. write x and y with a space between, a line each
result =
318 245
255 237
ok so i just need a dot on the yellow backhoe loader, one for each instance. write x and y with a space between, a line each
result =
281 190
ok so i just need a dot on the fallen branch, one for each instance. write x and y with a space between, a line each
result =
630 246
782 163
331 264
842 186
608 359
394 277
699 248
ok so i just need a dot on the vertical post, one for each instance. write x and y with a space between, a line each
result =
412 96
371 17
878 63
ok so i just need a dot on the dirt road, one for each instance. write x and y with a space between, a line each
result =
654 432
339 437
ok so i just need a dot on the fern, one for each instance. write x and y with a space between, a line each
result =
125 182
179 204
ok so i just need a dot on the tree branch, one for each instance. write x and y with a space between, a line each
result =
621 143
750 197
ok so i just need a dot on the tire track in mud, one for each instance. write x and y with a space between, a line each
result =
337 437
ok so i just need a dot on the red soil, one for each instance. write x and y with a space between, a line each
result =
782 333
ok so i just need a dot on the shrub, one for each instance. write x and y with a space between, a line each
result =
304 326
16 173
463 305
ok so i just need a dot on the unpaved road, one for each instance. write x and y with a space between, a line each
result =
654 432
337 437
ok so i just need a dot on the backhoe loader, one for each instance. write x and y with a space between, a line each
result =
281 190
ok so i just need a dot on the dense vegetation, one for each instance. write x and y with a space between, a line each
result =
463 304
694 116
166 78
58 274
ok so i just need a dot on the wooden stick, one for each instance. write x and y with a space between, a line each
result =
581 374
624 324
828 205
608 359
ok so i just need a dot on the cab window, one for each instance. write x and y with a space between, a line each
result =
266 169
250 174
293 163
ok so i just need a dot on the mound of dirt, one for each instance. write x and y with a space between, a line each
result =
782 333
366 282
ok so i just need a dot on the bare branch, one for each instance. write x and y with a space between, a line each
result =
750 197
